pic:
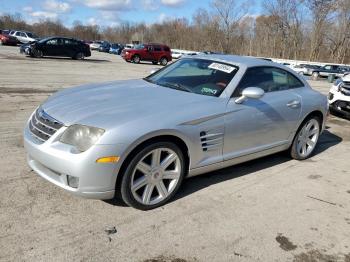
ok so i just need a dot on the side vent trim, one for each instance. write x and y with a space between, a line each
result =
211 141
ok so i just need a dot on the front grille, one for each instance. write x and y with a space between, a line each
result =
42 126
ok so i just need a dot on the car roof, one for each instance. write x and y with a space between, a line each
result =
237 60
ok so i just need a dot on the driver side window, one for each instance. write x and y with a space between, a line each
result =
52 42
270 79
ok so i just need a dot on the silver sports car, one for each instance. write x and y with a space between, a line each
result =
140 138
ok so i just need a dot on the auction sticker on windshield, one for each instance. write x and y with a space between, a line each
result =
221 67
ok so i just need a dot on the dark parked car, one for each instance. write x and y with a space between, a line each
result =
6 39
155 53
325 71
104 47
116 49
58 46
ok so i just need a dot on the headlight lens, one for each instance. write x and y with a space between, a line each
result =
82 137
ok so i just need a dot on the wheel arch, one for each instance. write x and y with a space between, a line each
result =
158 138
317 113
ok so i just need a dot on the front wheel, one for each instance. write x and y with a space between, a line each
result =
37 53
306 138
315 75
136 59
153 176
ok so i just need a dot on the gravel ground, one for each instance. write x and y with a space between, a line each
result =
271 209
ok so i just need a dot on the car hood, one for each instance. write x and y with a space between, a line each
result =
115 103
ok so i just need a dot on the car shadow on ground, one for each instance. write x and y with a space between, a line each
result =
191 185
197 183
86 60
339 115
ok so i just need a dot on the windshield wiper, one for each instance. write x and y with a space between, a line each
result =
175 86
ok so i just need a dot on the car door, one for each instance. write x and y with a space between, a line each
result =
49 48
70 47
19 37
259 124
157 52
148 53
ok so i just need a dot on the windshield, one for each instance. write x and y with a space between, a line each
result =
205 77
32 35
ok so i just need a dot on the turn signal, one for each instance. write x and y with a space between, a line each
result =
108 159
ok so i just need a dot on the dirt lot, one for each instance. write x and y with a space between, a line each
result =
272 209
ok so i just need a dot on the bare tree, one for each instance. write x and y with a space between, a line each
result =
229 13
321 11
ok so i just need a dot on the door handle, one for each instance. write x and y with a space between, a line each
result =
293 104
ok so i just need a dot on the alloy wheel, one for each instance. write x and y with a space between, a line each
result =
308 137
155 176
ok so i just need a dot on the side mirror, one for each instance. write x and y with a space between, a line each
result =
154 70
250 92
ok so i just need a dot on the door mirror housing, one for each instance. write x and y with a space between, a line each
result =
250 92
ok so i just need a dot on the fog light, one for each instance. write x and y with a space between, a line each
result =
73 181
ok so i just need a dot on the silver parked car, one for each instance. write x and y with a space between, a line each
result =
141 138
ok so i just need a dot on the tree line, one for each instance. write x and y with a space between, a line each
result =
313 30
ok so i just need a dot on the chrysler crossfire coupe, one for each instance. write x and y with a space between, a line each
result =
138 139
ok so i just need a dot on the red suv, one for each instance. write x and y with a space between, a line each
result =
6 39
156 53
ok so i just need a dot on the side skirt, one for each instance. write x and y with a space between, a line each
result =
237 160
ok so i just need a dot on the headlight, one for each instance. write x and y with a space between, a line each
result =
82 137
339 84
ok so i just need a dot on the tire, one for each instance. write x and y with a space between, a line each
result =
149 188
163 61
79 56
37 53
155 62
315 76
305 140
136 59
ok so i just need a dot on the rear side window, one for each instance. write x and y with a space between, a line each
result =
70 42
270 79
157 48
166 49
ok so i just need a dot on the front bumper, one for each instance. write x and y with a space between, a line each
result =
54 161
339 102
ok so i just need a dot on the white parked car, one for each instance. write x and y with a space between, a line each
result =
176 54
339 96
24 37
95 45
129 46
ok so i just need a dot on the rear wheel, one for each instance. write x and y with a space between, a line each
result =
79 56
153 176
306 138
136 59
163 61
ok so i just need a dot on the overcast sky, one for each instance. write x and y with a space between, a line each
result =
106 12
